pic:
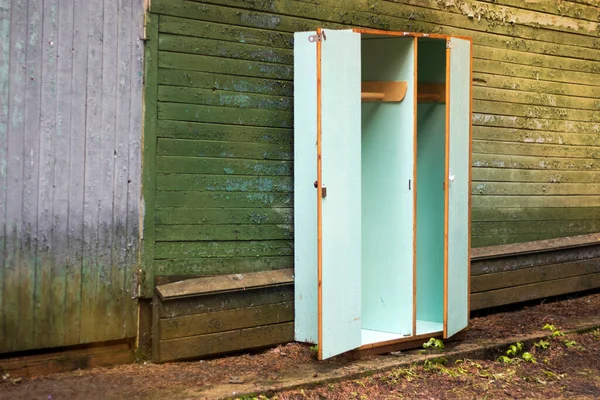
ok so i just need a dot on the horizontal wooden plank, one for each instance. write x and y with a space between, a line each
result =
531 162
534 291
223 199
498 134
522 188
228 83
222 14
206 45
536 60
226 115
527 255
200 324
224 49
569 9
166 250
223 132
194 62
218 149
535 214
220 216
507 21
103 355
224 183
527 276
217 264
227 32
491 240
384 16
531 72
225 283
174 233
507 121
540 246
220 166
213 97
524 24
525 175
534 98
526 110
218 343
536 201
535 149
566 228
581 91
224 302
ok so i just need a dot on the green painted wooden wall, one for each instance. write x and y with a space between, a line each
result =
218 146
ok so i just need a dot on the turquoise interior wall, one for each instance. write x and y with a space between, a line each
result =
430 211
387 201
431 137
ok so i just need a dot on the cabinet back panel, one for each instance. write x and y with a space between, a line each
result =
387 200
431 63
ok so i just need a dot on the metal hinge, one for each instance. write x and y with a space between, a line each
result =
137 284
317 38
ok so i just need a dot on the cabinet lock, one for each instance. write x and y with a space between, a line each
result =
323 190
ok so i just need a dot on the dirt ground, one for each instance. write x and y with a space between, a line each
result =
568 368
564 369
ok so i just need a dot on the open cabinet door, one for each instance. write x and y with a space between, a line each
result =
339 201
458 102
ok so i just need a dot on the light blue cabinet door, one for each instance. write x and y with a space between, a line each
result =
305 173
457 271
340 286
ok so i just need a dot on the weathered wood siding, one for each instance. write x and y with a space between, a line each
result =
222 78
70 134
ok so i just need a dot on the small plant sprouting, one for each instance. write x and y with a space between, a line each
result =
314 349
568 343
504 360
555 331
542 344
434 343
515 354
515 349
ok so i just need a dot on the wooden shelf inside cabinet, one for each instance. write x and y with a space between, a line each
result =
431 93
383 91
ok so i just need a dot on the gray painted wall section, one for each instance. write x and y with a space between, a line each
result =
70 137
